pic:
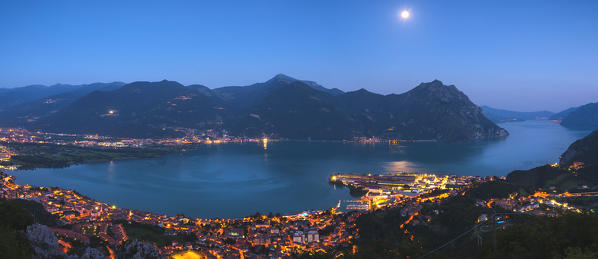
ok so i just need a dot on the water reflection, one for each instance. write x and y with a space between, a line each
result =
399 166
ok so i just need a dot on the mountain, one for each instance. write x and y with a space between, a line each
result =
561 115
436 111
242 97
139 109
584 150
21 95
281 107
287 79
583 118
21 114
568 175
500 115
293 110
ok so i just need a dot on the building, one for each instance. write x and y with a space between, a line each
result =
298 237
313 236
235 233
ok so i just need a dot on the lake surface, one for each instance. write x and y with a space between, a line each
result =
236 180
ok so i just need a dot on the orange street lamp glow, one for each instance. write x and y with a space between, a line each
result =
405 14
188 255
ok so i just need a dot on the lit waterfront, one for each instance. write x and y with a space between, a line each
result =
20 135
83 218
284 235
313 231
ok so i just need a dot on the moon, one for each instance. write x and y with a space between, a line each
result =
405 14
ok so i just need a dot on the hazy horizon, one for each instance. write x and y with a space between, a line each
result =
524 56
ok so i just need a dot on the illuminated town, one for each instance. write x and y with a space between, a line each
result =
382 190
5 155
20 135
190 139
277 236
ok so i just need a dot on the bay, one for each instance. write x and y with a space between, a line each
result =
236 180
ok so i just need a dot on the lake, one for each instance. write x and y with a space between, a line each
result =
236 180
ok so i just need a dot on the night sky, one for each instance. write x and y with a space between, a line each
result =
522 55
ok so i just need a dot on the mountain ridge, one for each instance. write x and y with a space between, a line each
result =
281 107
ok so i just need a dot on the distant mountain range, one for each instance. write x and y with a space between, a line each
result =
584 117
281 107
500 115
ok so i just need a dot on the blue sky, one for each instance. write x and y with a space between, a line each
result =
524 55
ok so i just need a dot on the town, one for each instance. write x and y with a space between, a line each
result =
380 190
275 236
82 218
24 149
188 136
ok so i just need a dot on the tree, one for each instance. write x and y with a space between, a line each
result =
13 218
578 253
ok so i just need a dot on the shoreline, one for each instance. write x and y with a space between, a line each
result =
308 231
54 156
148 152
138 153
